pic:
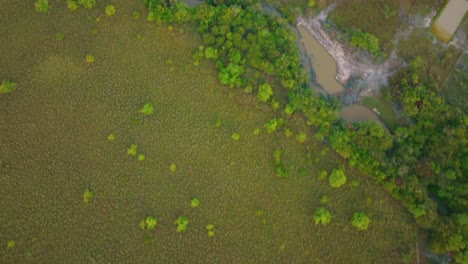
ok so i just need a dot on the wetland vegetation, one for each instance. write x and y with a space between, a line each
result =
231 157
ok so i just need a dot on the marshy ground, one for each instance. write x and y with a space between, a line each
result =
54 128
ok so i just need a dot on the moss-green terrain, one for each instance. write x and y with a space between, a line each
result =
73 193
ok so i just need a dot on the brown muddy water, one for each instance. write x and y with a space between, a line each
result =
359 113
322 62
54 128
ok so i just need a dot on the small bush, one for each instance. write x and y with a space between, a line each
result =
256 131
182 223
132 150
148 223
141 157
281 171
136 15
337 178
210 230
111 137
110 10
324 199
360 221
7 87
147 109
72 5
195 202
89 58
151 222
264 92
322 216
42 6
11 244
87 196
301 137
173 167
59 36
88 4
235 136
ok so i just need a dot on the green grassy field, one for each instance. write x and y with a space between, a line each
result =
54 129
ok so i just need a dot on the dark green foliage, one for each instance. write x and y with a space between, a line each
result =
249 44
365 41
7 87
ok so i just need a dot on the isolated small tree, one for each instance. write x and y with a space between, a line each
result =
322 216
337 178
360 221
264 92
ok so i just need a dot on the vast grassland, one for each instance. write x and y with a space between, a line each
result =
54 132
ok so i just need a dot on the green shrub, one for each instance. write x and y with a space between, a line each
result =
182 223
235 136
210 230
360 221
72 5
195 202
264 92
136 15
89 58
110 10
337 178
147 109
87 196
42 6
11 244
324 199
365 41
322 175
132 150
141 157
173 167
111 137
281 171
88 4
151 222
148 223
301 137
277 155
289 109
7 87
59 36
271 125
211 53
322 216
